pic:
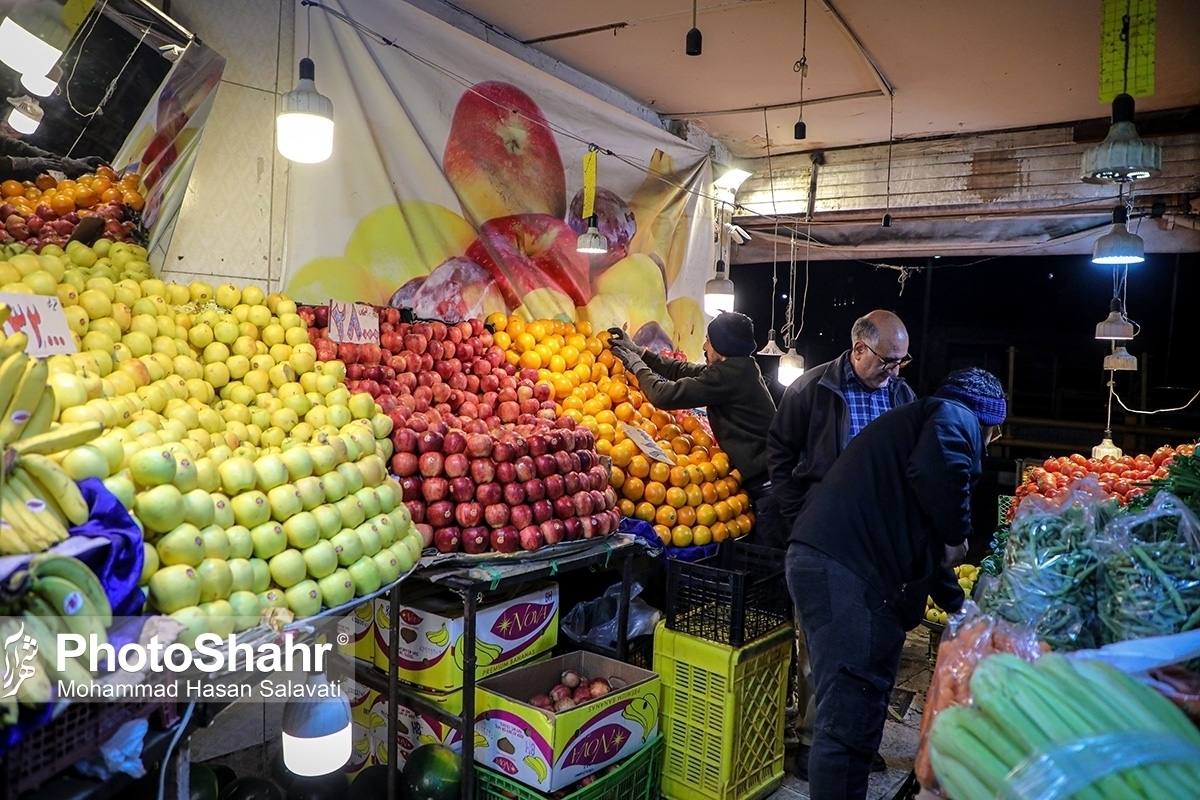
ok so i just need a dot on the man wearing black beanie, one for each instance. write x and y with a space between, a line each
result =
730 386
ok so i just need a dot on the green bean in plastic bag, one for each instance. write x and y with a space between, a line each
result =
1150 572
1049 577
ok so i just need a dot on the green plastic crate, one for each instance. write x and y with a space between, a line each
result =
722 714
636 778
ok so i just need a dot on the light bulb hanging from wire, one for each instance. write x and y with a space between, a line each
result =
800 131
771 348
695 40
304 125
591 241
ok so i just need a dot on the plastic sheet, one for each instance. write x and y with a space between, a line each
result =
595 621
1150 568
969 637
1049 578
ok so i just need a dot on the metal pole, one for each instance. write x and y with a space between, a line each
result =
623 609
393 690
924 351
470 605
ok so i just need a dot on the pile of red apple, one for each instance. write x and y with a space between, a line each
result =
44 226
485 462
571 690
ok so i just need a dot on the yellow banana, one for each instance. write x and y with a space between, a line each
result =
439 637
12 542
14 344
487 652
47 639
31 489
59 485
12 369
481 741
362 746
76 572
57 439
43 416
69 602
537 765
36 507
24 401
33 533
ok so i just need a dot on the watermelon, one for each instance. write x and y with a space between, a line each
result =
251 788
432 773
320 787
202 783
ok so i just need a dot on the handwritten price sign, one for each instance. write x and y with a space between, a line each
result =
42 320
354 323
646 444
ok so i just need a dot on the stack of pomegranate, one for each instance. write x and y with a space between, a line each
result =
484 459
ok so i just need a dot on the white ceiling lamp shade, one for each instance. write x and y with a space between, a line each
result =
718 292
1116 326
770 348
791 367
32 38
42 85
316 730
1120 360
1119 246
26 114
304 127
1106 449
592 241
1123 156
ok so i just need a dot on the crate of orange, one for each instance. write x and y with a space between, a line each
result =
735 597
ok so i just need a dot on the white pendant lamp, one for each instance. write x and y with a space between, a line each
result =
1120 360
1123 155
304 127
32 38
316 730
26 114
771 348
791 367
1119 246
590 241
718 292
1115 326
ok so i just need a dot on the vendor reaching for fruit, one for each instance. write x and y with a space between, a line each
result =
24 162
730 385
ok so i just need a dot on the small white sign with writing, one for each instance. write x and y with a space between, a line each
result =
354 323
42 320
647 444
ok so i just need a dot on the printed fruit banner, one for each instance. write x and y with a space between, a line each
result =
455 188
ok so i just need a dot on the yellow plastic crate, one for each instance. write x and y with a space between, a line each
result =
722 714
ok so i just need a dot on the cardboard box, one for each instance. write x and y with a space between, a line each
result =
361 700
507 632
548 751
414 728
363 633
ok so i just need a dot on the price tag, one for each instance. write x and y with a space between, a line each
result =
646 444
354 323
42 320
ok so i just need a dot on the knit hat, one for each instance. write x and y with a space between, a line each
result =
978 390
732 334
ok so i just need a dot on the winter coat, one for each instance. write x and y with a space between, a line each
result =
811 429
899 493
740 408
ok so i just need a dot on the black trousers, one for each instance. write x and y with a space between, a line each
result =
854 641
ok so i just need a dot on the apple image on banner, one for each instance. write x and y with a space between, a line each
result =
525 252
501 157
457 289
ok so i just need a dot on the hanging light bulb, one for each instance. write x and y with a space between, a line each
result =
26 114
791 366
304 127
718 292
1123 155
800 131
316 730
695 40
771 348
1115 326
33 37
1119 246
592 241
1120 360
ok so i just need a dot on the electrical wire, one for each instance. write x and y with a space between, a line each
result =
774 208
1156 411
183 723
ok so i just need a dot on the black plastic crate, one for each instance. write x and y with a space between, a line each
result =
732 598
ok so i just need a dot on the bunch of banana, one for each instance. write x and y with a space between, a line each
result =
63 595
40 502
28 405
644 711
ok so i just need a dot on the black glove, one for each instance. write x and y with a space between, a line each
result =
74 167
29 168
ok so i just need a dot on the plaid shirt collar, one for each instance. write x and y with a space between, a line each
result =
864 404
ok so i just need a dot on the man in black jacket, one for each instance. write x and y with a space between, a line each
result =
873 538
730 386
24 162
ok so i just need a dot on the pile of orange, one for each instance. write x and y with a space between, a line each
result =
695 500
80 194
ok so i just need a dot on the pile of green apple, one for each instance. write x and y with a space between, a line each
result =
216 412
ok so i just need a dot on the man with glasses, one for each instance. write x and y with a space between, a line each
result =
875 536
818 416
